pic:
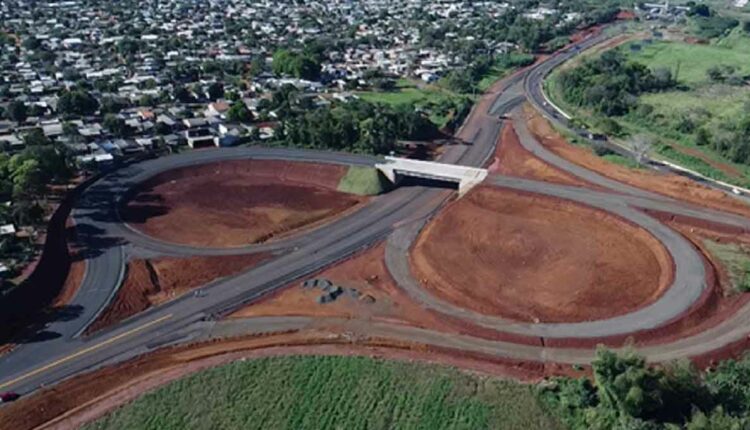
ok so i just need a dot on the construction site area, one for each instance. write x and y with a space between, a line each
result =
550 252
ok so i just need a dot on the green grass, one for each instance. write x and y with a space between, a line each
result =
736 259
419 96
363 181
692 60
622 161
499 71
333 393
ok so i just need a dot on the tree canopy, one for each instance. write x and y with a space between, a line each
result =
610 83
358 127
77 102
629 394
296 64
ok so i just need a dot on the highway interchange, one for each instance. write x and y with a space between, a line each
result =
395 217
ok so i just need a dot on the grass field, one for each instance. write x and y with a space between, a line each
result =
333 393
693 60
363 181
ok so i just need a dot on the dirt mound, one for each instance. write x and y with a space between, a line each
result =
151 282
532 258
236 203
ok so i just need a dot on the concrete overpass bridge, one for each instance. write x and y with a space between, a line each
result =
395 168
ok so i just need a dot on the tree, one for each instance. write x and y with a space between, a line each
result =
216 91
112 105
17 111
640 145
36 137
257 66
32 43
116 125
27 179
302 66
702 137
77 102
181 94
148 100
700 9
238 112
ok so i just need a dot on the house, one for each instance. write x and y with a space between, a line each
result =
200 138
219 108
229 134
7 230
194 122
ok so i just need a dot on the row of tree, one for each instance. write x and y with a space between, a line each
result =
627 394
610 84
357 126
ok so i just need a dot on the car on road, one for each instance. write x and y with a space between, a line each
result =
8 397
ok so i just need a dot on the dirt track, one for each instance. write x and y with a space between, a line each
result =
236 203
538 259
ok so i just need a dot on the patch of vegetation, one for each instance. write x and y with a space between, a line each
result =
736 259
609 84
482 72
364 181
622 161
503 68
692 163
440 105
357 126
712 25
333 392
628 394
705 108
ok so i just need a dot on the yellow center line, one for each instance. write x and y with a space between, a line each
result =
84 351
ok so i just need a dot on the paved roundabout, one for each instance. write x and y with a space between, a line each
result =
397 217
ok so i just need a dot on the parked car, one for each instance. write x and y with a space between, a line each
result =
8 397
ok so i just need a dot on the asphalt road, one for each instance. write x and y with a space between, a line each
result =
110 243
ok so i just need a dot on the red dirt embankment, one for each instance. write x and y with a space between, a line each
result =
236 203
148 283
667 184
533 258
512 159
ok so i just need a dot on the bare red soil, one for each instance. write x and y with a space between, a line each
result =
512 159
368 273
534 258
365 272
151 282
666 184
236 203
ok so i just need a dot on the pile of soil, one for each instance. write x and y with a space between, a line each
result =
151 282
236 203
533 258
